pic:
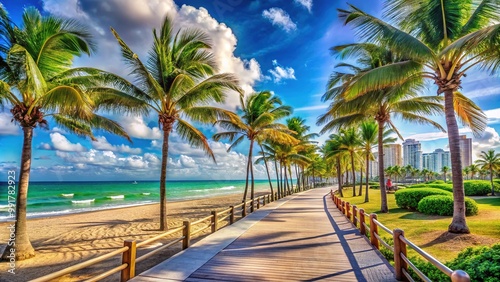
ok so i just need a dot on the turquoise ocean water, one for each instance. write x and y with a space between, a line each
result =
56 198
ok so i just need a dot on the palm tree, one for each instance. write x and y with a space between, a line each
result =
177 84
445 170
466 171
442 41
474 169
350 141
368 134
259 112
408 168
38 82
491 162
397 101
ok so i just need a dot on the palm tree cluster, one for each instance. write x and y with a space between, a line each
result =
416 41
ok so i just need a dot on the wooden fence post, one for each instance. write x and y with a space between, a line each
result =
252 207
373 231
231 215
399 250
354 214
258 202
186 233
244 209
348 210
214 220
362 228
343 207
128 257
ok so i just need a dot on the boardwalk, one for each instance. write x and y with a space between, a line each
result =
300 238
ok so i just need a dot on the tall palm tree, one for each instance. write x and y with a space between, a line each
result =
332 150
473 169
466 171
259 113
489 161
445 170
37 81
177 84
350 141
368 134
442 41
402 101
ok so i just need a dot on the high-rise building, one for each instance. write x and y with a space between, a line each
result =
436 160
465 150
412 153
392 155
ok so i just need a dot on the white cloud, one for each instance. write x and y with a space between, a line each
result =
61 143
280 73
6 126
102 144
134 19
305 3
489 140
187 161
280 18
493 116
136 127
430 136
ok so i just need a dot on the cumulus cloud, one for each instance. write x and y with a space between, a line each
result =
489 140
493 116
280 73
6 126
280 18
61 143
134 19
305 3
136 127
102 144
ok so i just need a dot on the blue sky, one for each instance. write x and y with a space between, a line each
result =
278 45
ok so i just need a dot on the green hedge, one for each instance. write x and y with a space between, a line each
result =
409 198
481 263
478 187
443 205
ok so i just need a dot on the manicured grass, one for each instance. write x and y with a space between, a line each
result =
430 232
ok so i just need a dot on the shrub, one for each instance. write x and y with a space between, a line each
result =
374 186
481 263
437 182
409 198
443 205
478 187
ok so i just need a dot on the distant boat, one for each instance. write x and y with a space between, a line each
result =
135 182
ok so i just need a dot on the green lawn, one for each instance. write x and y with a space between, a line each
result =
430 232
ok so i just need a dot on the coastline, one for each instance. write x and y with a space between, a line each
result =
67 239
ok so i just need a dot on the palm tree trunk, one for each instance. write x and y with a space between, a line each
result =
249 163
23 247
458 223
287 188
267 170
367 172
277 178
339 177
491 180
163 179
252 191
297 175
360 193
291 178
383 192
353 176
281 181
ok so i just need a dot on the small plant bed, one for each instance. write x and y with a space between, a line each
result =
430 231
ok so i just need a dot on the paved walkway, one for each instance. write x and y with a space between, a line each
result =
299 238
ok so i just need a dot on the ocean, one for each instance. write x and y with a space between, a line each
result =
57 198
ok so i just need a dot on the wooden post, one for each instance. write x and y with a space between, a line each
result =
373 231
231 215
362 228
343 207
252 205
459 276
354 214
348 210
399 250
258 202
244 209
186 233
214 221
128 257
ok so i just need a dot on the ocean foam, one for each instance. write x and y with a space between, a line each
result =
146 194
83 202
68 195
119 197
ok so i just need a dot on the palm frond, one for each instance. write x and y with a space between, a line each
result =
194 137
207 114
209 90
469 113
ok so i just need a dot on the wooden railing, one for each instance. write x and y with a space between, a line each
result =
401 243
186 232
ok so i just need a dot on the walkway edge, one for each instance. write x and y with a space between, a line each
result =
181 265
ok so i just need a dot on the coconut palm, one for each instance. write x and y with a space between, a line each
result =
259 113
332 150
399 101
473 169
442 41
445 170
466 171
37 81
489 161
350 141
178 83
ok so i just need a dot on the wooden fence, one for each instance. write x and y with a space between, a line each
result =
186 232
401 243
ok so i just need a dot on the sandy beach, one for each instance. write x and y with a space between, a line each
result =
66 240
